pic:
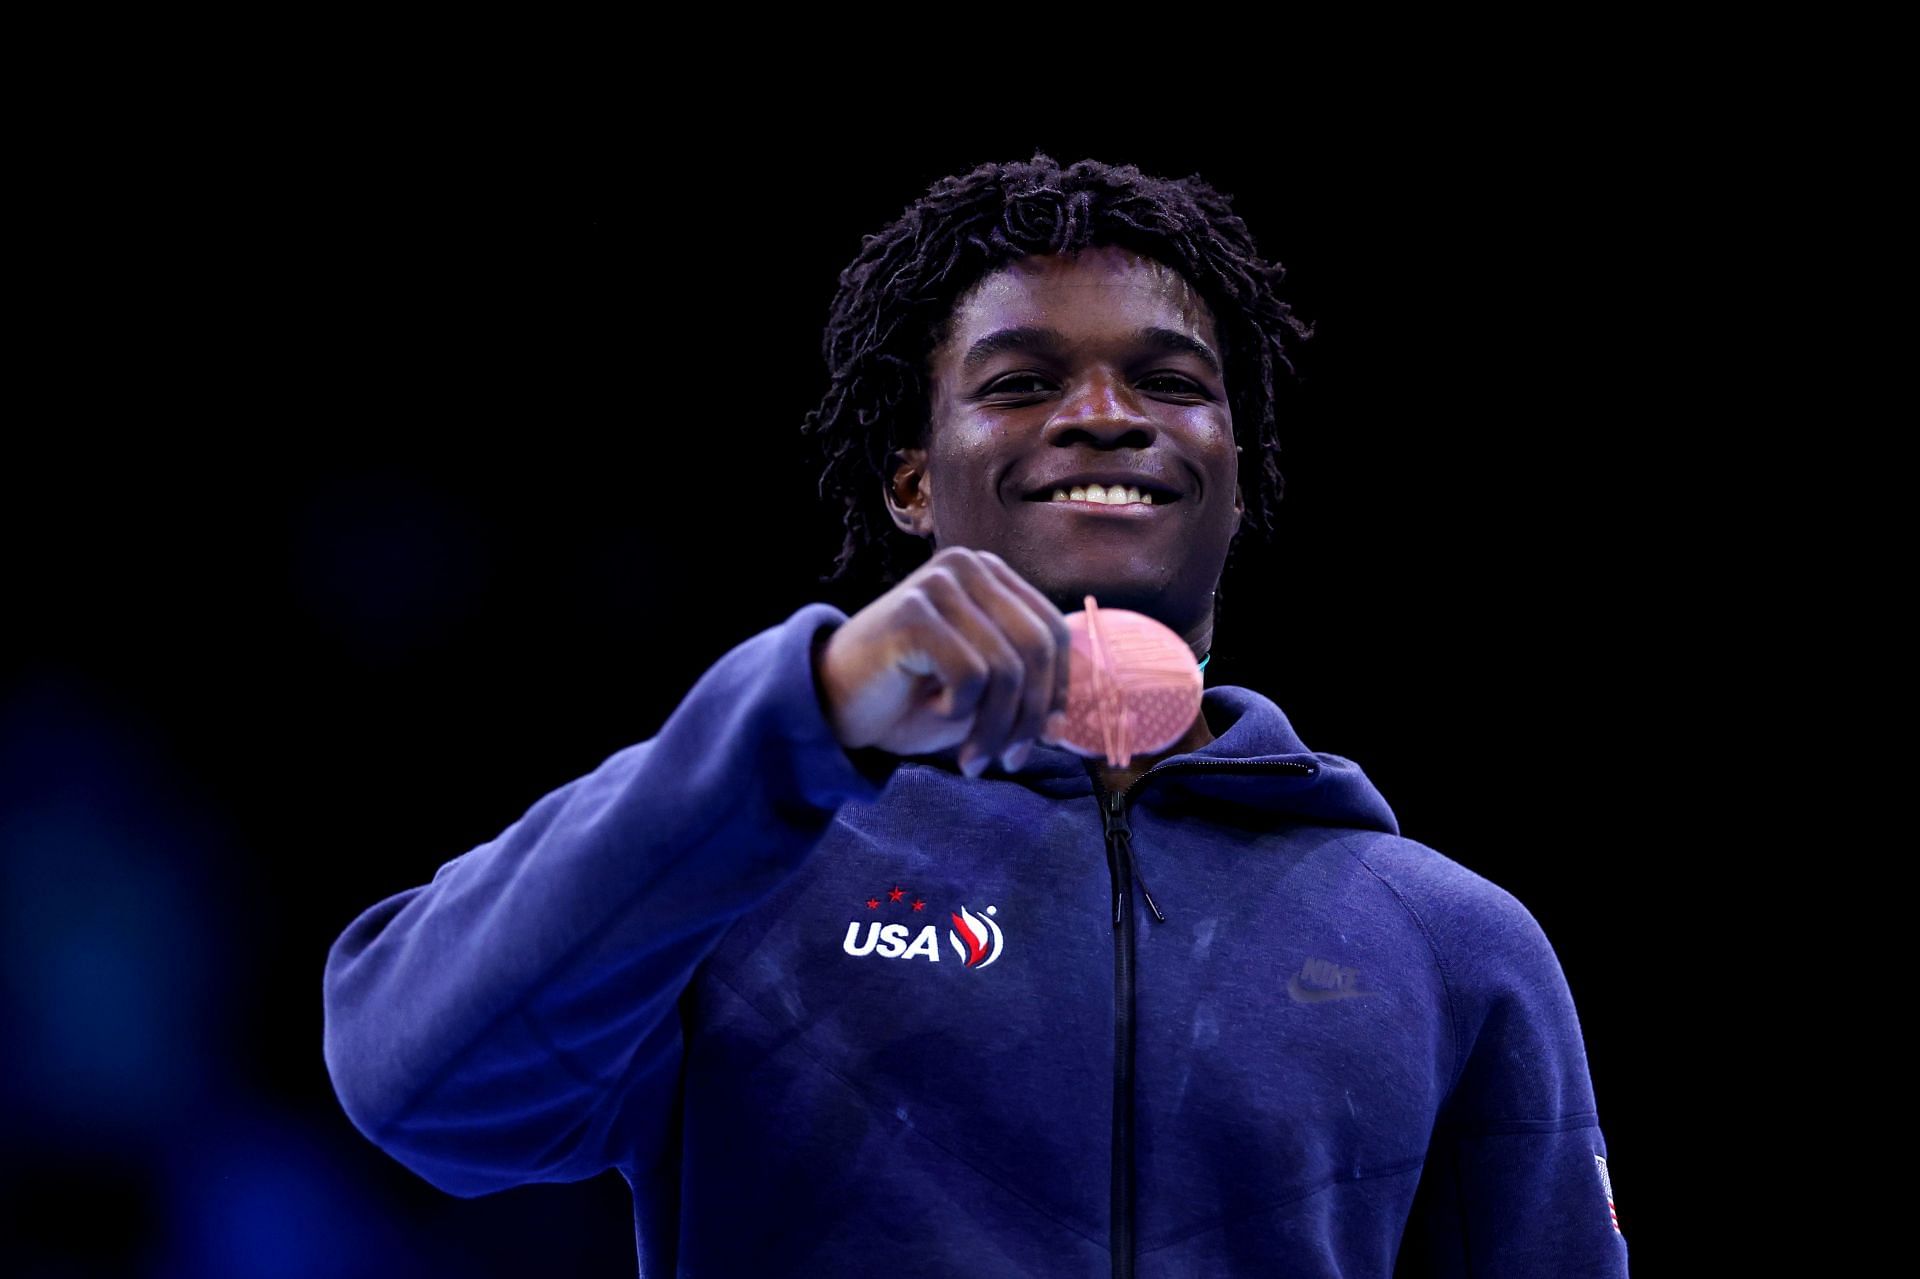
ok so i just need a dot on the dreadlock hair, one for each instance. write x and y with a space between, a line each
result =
895 302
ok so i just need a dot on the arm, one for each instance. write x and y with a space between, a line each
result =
516 1019
1511 1185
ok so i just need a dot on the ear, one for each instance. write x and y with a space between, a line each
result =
909 492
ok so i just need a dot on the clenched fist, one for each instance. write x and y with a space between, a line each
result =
963 652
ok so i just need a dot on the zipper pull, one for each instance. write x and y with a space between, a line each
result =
1109 815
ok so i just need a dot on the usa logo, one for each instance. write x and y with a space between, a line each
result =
976 939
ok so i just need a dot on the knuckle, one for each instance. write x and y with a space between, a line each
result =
1010 658
973 677
957 557
965 564
1040 658
919 602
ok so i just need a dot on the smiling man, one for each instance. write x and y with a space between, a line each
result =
843 969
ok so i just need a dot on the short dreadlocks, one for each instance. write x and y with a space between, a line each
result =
895 304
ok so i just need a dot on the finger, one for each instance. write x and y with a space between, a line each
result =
944 653
972 609
1063 648
1039 632
959 594
1055 721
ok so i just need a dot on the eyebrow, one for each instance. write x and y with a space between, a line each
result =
1049 342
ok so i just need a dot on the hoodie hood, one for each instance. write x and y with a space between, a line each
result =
1253 733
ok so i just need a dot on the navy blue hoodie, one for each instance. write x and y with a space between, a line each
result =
842 1013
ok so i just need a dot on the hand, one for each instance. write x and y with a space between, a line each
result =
963 652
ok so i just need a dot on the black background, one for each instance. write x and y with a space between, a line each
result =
403 463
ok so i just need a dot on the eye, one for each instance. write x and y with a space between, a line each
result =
1169 384
1178 384
1007 385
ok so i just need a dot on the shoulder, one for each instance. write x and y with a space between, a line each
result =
1504 983
1522 1058
1473 923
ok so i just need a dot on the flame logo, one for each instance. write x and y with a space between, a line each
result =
982 940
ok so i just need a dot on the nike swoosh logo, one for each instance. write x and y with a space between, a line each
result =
1314 995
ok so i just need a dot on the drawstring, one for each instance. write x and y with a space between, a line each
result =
1143 884
1114 813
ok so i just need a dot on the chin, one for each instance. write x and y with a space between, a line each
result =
1151 597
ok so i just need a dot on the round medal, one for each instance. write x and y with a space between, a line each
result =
1133 687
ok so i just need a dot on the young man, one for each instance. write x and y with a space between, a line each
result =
844 970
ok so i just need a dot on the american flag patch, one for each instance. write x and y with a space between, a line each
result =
1606 1184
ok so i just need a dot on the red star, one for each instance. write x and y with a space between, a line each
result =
897 893
918 904
873 903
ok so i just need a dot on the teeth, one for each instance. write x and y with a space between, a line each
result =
1110 496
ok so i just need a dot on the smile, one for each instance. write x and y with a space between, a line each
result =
1136 507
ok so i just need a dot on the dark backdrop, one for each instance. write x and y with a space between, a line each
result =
405 465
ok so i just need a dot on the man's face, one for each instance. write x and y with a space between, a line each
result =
1058 372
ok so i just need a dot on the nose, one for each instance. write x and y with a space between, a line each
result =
1101 407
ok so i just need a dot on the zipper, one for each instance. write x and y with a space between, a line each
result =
1122 866
1113 813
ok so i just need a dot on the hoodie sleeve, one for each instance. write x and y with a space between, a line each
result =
1515 1183
516 1019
